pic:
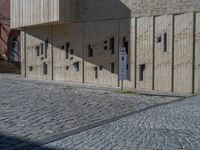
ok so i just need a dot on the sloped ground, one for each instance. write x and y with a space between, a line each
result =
8 67
34 113
175 126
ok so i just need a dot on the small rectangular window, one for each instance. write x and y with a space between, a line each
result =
31 68
100 68
76 65
112 45
67 51
165 42
90 51
45 68
159 39
112 67
67 67
141 70
62 47
37 50
42 48
96 72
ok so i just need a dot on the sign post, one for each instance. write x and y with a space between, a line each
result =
122 66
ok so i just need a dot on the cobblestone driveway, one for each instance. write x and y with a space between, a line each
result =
42 112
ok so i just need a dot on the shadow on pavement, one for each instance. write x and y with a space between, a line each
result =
16 143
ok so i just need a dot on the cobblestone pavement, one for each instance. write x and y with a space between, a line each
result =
39 112
169 127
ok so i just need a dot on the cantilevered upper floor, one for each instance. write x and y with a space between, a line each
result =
35 12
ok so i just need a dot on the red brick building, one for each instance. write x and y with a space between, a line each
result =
9 39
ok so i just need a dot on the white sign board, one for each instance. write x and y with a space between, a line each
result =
122 63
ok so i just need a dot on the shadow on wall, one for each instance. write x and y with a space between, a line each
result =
16 143
97 40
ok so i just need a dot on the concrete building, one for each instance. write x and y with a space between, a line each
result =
9 39
79 40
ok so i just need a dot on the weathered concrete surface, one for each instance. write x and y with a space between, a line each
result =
41 111
168 127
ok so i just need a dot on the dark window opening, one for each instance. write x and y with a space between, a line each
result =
142 69
125 44
37 50
165 42
42 48
159 39
31 68
105 45
62 47
46 47
112 67
96 72
76 65
71 51
127 66
112 45
45 68
67 67
67 51
90 51
100 68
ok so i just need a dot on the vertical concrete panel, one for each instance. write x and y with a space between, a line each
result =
127 29
144 51
22 36
163 59
62 35
98 35
197 54
35 37
183 53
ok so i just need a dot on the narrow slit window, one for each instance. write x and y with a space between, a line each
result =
112 45
45 68
31 68
105 45
76 66
67 51
37 50
96 72
125 44
112 67
165 42
42 48
159 39
46 47
90 51
142 69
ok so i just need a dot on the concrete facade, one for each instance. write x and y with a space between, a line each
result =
79 41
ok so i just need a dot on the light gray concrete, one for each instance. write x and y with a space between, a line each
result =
39 112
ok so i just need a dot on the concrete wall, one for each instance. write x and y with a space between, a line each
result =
166 71
163 59
183 52
35 12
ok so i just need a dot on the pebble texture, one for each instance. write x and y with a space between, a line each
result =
39 111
